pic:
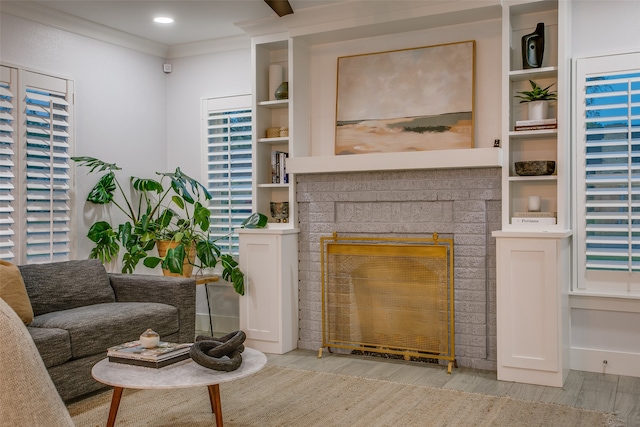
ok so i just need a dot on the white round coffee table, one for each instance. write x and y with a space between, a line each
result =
183 374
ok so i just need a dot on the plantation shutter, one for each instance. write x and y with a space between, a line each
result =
46 123
8 87
609 167
228 167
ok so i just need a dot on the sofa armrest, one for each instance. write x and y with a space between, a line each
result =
179 292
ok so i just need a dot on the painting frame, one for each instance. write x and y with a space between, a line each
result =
405 100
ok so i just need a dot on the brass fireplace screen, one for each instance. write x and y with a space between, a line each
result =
388 295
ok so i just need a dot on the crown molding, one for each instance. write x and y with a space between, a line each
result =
223 44
62 21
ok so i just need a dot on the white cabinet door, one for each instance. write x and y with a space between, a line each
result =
530 312
269 308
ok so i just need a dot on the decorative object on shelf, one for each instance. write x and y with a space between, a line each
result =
279 173
535 167
275 80
221 354
534 217
283 91
537 99
273 132
534 204
174 213
533 48
284 132
280 211
536 124
149 339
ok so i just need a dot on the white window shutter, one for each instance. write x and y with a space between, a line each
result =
8 158
35 140
229 172
609 175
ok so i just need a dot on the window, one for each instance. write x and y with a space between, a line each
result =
35 142
608 165
227 130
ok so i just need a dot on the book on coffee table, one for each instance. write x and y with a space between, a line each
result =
135 351
149 363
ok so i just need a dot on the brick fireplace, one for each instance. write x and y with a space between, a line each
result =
462 204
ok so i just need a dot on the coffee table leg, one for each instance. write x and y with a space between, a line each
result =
115 403
216 406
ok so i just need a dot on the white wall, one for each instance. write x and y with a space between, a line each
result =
605 328
120 102
604 27
192 80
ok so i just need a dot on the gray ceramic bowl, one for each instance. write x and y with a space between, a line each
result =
536 167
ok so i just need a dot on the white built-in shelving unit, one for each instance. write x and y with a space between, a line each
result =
534 261
268 257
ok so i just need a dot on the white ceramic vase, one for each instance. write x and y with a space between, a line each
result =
538 110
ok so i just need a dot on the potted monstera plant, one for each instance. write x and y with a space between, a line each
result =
166 212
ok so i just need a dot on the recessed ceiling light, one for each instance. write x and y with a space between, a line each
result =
163 20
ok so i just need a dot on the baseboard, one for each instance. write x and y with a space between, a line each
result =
618 363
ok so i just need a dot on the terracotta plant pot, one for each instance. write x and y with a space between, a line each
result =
187 265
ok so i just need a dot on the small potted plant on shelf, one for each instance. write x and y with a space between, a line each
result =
172 218
538 100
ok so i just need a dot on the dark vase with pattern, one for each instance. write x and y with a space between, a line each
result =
533 48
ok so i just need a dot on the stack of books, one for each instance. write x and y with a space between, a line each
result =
536 124
534 218
132 353
279 173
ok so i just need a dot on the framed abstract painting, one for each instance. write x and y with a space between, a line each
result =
406 100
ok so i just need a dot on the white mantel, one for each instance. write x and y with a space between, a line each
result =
436 159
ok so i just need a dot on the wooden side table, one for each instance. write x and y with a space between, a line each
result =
205 280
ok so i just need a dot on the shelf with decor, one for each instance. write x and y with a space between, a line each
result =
272 119
532 249
538 138
268 256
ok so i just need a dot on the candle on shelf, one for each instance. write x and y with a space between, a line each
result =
534 203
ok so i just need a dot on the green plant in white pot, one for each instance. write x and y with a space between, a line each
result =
537 100
175 214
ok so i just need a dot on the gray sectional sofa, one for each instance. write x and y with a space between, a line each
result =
81 310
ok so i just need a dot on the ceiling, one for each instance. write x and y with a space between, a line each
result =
194 20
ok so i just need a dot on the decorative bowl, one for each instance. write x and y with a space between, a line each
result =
280 211
535 167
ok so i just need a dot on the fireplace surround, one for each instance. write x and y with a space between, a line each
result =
461 204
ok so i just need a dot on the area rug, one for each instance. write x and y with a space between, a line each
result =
278 396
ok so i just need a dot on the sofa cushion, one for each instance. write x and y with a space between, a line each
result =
94 328
13 292
53 344
65 285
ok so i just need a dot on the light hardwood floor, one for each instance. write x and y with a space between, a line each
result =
600 392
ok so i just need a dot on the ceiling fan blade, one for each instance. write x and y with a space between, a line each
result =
281 7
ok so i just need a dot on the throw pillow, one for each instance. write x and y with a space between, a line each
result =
13 291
